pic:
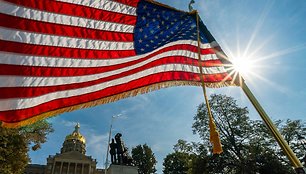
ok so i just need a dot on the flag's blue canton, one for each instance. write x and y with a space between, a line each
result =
157 26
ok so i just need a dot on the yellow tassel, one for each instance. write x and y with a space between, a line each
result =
214 134
214 137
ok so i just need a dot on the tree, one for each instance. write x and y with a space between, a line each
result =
294 131
15 144
199 164
36 134
176 163
13 151
187 157
144 158
247 144
183 146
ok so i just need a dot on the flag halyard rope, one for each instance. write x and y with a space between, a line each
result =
214 134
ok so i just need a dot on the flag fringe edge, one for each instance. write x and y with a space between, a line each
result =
142 90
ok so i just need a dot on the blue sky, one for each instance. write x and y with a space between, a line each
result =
272 34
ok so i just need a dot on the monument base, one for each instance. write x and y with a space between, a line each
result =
122 169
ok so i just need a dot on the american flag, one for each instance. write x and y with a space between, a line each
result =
60 55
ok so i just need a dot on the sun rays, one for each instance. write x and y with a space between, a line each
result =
253 58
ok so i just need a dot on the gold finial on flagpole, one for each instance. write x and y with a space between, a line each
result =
190 5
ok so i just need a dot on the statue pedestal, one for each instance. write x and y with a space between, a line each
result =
122 169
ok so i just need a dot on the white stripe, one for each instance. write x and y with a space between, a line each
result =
13 59
23 12
17 81
105 5
11 104
60 41
17 59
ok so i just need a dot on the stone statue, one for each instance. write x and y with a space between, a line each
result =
125 155
112 151
120 148
119 153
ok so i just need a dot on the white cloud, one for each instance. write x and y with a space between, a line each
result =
96 145
68 123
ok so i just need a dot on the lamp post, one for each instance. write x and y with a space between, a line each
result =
109 137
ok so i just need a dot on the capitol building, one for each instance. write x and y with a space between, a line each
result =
72 158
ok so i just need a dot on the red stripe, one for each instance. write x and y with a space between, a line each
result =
63 30
133 3
40 50
76 10
26 92
52 51
39 71
208 51
75 71
11 116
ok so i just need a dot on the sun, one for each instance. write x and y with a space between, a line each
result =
243 65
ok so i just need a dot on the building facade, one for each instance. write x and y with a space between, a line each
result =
71 159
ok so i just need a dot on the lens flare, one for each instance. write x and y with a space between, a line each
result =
242 65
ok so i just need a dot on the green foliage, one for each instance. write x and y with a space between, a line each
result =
198 165
248 145
144 159
186 159
294 131
183 146
13 152
15 144
176 163
36 134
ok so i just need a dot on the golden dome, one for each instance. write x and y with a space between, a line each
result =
76 135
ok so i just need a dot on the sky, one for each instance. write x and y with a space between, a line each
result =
271 35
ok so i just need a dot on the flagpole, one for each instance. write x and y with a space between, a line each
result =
279 138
